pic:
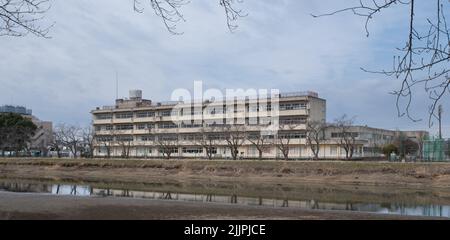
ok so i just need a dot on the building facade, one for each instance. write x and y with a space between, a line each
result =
43 136
244 127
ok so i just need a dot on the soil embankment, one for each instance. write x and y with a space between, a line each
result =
336 172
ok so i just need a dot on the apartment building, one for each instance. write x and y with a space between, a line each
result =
244 127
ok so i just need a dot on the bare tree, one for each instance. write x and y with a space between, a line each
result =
71 137
20 17
347 138
168 144
283 138
420 141
261 142
169 11
125 144
282 143
314 136
87 135
423 62
208 140
57 141
105 142
235 135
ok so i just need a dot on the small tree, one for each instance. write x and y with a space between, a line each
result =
315 133
405 145
57 143
261 142
282 143
88 141
71 137
347 138
208 140
15 132
389 149
124 143
167 144
235 135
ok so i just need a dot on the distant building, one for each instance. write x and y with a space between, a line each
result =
370 140
44 134
15 109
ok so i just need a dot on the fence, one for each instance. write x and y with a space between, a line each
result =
436 150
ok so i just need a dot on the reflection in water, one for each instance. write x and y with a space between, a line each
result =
86 190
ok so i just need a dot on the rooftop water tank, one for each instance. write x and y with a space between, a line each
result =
135 94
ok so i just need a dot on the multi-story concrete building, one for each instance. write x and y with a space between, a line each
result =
43 136
137 127
143 125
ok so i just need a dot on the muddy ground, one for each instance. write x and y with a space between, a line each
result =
376 182
39 206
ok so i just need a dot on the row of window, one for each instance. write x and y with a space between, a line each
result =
299 120
165 113
340 134
166 125
194 137
292 106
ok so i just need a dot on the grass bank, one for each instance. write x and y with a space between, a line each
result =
139 170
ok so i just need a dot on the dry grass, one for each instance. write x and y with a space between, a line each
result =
245 167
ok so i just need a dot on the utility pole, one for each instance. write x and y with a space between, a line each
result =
439 118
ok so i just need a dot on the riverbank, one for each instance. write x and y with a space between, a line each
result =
376 184
43 206
132 170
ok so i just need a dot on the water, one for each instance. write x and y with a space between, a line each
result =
424 203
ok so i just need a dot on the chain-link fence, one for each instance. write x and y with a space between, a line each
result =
436 150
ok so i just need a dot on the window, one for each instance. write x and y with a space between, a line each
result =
145 114
104 116
293 120
124 138
340 135
104 138
192 150
191 137
167 125
212 150
183 125
166 137
103 127
142 126
124 115
292 106
146 138
166 113
167 150
124 127
292 135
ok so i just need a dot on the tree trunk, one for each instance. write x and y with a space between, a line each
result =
234 153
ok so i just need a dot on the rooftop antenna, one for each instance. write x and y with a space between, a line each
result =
117 85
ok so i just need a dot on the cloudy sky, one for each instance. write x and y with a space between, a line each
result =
278 45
